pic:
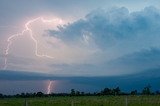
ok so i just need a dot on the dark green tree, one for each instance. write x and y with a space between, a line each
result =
117 91
157 92
134 92
1 95
82 93
77 93
146 90
22 95
106 91
39 94
72 92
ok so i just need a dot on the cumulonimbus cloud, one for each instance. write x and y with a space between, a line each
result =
106 27
118 33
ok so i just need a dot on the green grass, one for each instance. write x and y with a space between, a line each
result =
84 101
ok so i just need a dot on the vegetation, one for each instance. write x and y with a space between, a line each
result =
105 97
84 101
106 91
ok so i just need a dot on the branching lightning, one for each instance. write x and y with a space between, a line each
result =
49 87
29 30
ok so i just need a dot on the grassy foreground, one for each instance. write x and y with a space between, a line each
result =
84 101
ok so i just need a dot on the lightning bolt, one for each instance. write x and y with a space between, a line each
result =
29 30
49 87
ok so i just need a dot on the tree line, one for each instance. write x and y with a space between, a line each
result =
106 91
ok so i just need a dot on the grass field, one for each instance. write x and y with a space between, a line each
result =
84 101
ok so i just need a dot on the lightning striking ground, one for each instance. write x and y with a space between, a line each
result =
29 30
49 87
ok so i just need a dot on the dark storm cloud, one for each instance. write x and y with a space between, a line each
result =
144 60
138 62
109 27
127 38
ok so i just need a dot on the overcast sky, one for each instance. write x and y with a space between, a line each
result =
90 38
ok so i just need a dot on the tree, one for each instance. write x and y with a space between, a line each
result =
77 93
22 95
28 94
39 94
82 93
117 91
72 92
134 92
106 91
157 92
1 95
146 90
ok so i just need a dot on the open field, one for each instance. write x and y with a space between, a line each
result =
84 101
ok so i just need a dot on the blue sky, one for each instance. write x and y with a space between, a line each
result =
95 38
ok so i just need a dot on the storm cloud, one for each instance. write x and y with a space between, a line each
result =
123 38
107 28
